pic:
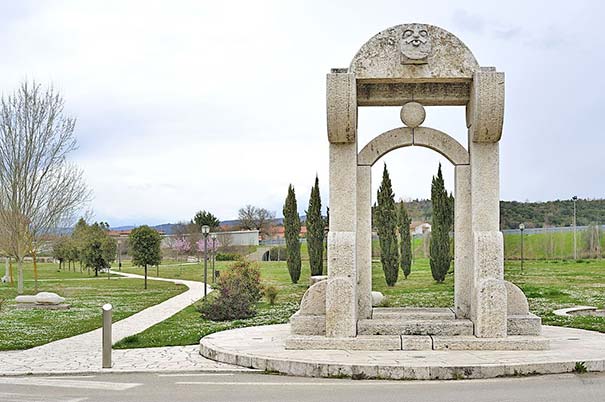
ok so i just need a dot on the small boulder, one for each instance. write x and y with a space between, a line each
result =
28 299
377 298
317 278
49 298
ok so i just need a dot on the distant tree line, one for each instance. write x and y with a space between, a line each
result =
532 214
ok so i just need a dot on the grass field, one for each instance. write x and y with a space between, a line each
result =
23 329
549 285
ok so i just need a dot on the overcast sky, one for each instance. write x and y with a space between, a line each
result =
188 105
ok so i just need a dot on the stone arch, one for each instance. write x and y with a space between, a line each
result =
401 137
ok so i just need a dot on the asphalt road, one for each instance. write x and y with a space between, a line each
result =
219 387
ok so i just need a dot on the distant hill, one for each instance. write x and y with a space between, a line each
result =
512 213
532 214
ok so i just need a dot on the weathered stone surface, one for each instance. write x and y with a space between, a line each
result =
414 327
485 114
364 242
400 93
317 278
413 313
442 143
343 185
416 342
516 300
41 298
314 300
341 308
405 137
377 299
35 306
474 343
308 324
385 143
528 324
388 56
488 256
412 114
341 108
490 321
463 242
25 299
392 342
485 185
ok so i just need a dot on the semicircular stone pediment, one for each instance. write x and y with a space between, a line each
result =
401 137
414 53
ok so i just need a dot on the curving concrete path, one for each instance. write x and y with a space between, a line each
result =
82 353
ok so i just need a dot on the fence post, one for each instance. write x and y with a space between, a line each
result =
107 310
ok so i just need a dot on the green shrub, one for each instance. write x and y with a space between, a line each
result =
271 294
279 253
238 290
227 257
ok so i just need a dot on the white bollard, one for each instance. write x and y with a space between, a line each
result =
107 310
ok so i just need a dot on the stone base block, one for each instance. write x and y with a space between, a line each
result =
413 313
474 343
358 343
416 342
308 324
35 306
414 327
529 324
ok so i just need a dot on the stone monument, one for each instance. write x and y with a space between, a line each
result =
413 66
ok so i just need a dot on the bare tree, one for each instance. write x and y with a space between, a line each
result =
40 189
247 217
254 218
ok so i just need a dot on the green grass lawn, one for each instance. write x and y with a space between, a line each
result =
549 285
23 329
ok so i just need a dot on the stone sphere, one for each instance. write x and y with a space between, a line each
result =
412 114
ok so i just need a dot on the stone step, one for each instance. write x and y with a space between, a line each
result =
413 313
415 327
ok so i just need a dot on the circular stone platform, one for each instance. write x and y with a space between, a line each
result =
263 348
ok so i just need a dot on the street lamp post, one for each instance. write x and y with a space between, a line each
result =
575 249
213 236
205 232
522 228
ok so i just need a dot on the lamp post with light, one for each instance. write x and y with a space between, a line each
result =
575 250
205 232
522 228
213 237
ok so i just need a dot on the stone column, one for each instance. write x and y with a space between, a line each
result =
364 241
463 242
341 296
489 298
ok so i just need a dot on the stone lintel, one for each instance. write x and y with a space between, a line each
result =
341 99
427 93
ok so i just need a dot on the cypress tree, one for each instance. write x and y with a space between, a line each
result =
315 231
406 240
386 225
292 232
440 229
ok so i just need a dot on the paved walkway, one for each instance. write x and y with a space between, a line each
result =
82 353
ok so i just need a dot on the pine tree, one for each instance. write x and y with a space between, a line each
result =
386 225
405 240
292 229
315 231
440 229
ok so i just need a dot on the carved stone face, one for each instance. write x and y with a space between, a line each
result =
415 44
